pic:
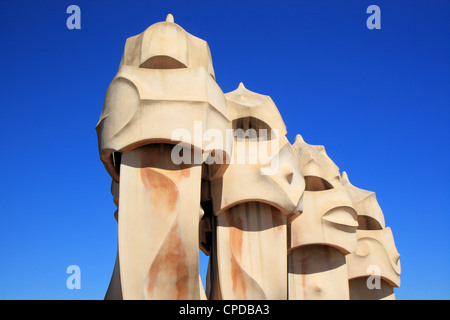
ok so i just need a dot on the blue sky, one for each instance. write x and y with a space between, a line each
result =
378 100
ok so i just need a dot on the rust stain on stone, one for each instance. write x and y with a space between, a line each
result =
163 191
235 227
179 175
304 286
236 234
168 274
170 263
304 270
237 276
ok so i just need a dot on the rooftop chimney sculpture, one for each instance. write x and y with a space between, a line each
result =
193 168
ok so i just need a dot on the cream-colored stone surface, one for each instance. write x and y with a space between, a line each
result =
248 267
193 168
243 104
317 272
329 217
158 225
315 162
150 102
262 157
324 233
370 215
251 221
166 45
374 268
376 257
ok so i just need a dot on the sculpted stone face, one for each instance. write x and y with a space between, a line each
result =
375 248
165 83
262 157
328 217
376 255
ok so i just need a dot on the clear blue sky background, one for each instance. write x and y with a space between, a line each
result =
379 100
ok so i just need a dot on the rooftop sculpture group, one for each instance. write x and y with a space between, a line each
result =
193 168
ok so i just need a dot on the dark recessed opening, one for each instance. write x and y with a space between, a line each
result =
162 62
252 128
368 223
116 158
313 183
